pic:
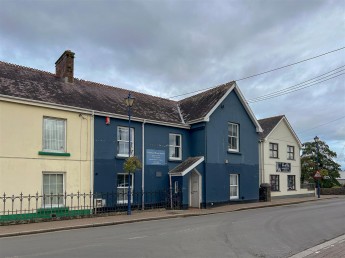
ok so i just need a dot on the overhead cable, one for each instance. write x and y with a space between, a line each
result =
302 85
254 75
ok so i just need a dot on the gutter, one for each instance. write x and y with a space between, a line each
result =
87 111
43 104
261 160
143 165
91 151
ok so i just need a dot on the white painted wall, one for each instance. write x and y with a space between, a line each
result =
283 136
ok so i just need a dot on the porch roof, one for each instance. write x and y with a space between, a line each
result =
186 166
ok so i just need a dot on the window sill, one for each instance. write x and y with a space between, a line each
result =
122 157
234 152
175 160
292 190
48 153
274 157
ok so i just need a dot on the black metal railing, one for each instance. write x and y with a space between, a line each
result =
64 206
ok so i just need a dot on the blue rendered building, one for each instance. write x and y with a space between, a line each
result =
204 146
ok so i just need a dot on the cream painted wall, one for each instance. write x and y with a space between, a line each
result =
283 137
21 167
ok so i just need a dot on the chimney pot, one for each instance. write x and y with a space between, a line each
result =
64 66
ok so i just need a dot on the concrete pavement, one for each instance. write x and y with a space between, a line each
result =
137 216
334 248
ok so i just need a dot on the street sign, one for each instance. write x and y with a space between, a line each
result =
317 175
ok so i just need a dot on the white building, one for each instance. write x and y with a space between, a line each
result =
279 154
341 179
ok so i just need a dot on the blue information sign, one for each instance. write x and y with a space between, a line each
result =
155 157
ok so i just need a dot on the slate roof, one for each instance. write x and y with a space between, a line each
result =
198 106
267 125
189 163
32 84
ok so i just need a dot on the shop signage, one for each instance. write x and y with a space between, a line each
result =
155 157
283 167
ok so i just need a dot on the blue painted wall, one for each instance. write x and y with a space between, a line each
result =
208 139
107 165
220 163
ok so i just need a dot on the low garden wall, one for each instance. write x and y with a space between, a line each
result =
333 191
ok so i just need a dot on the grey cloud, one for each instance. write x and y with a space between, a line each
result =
167 48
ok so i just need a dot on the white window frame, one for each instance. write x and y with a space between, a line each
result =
62 149
290 153
237 196
125 188
44 204
234 137
125 141
175 146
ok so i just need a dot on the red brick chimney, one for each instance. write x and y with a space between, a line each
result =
64 66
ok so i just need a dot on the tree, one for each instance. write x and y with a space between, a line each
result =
131 164
311 160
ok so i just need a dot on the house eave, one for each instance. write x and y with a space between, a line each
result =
44 104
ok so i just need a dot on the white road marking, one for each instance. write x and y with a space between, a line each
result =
138 237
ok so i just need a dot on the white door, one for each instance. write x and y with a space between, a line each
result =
194 190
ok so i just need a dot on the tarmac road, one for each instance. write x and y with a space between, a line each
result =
269 232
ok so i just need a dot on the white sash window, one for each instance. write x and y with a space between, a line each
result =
123 140
54 134
175 146
53 188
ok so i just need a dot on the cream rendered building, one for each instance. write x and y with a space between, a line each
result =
279 155
26 154
45 146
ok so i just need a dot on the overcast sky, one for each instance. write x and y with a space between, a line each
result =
167 48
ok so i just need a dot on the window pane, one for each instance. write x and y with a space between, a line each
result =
233 179
234 144
175 146
54 134
177 152
53 189
121 180
123 141
233 190
233 186
274 179
123 147
171 151
171 139
122 188
233 136
178 140
123 134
